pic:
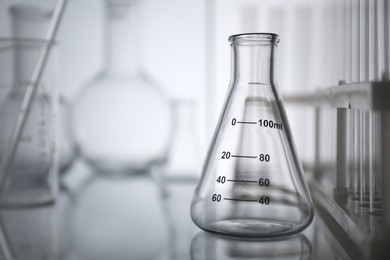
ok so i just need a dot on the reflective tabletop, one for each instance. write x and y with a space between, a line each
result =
137 216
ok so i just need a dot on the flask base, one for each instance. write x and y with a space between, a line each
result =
254 228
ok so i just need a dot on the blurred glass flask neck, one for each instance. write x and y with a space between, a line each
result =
183 114
253 58
120 43
184 159
31 22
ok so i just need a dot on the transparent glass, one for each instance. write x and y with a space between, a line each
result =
29 233
31 176
127 224
179 177
184 154
209 246
32 21
121 119
252 182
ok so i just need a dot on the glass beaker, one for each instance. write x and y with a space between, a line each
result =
252 182
32 21
31 176
121 119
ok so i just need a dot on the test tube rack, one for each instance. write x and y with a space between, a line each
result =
351 164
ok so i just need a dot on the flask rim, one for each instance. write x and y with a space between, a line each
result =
31 11
7 43
27 40
254 38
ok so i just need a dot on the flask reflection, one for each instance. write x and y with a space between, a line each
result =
209 246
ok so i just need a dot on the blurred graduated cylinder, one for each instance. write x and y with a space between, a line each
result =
31 176
31 22
252 182
121 119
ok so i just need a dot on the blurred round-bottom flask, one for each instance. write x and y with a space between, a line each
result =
121 119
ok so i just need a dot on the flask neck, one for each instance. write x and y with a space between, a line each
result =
253 63
30 21
27 22
120 42
183 115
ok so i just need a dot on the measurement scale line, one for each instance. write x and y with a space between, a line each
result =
240 199
243 122
243 181
256 83
244 156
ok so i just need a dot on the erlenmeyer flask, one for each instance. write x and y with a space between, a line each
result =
252 182
184 154
121 119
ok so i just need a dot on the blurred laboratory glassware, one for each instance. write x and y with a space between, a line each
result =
32 21
121 119
62 222
184 155
176 200
252 182
178 177
118 218
31 176
66 142
30 232
209 246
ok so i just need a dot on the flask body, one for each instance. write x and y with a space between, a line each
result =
252 182
115 123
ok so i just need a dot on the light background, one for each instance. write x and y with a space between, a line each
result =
184 47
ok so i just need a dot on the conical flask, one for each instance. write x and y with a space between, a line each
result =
252 182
